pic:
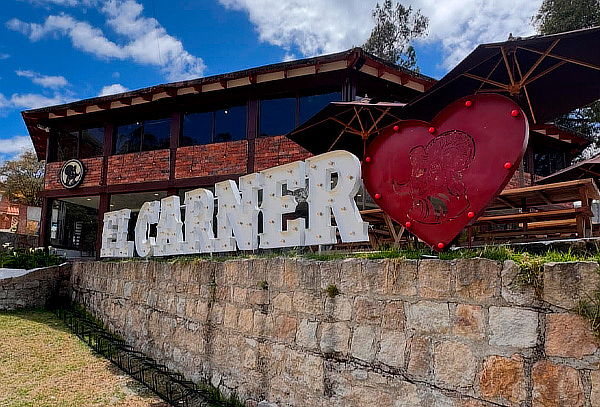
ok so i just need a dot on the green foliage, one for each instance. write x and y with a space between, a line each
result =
555 16
28 259
590 309
395 27
332 291
263 285
23 179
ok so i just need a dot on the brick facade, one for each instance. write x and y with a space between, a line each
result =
278 150
212 159
138 167
93 171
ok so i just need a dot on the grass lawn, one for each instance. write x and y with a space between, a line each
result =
43 364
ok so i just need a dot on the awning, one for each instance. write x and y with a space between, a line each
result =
547 75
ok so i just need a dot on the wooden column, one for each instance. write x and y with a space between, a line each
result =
173 146
103 207
251 132
45 221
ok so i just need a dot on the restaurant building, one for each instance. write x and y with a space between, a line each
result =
168 139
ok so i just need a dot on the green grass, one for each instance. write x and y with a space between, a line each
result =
42 365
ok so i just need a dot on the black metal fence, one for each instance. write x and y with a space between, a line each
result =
171 387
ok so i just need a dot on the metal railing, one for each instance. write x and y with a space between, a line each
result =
171 387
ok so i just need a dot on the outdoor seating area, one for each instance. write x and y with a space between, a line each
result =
559 210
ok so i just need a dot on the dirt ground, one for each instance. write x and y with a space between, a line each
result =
42 364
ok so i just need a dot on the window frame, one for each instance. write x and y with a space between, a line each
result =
115 135
54 143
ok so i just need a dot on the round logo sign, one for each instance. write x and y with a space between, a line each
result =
71 173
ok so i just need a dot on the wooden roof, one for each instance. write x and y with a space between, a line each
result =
37 120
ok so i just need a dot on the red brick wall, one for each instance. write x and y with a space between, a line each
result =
138 167
278 150
212 159
93 171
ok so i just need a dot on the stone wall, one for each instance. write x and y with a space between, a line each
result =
36 289
457 333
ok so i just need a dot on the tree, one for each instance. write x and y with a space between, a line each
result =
23 179
556 16
395 27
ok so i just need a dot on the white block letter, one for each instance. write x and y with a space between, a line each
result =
114 234
322 199
275 204
169 231
149 215
199 210
237 214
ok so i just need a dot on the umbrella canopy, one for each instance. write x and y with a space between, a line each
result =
589 168
547 75
346 126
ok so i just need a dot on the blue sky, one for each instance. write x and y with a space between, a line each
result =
56 51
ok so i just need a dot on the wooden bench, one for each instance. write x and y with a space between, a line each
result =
540 211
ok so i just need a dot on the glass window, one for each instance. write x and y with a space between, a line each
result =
66 145
310 105
91 143
156 134
143 136
129 138
230 124
73 225
277 116
197 129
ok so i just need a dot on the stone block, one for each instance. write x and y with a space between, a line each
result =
368 310
567 283
364 342
335 337
285 327
513 327
502 380
393 316
246 320
339 307
258 296
469 321
513 291
569 335
595 392
454 364
428 317
282 302
306 335
477 279
392 347
230 318
401 277
307 303
435 279
556 386
420 356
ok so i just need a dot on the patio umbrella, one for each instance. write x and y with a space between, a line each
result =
346 126
547 75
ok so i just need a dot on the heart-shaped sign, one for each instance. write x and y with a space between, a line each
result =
436 178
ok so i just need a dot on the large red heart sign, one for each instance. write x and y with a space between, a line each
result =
436 178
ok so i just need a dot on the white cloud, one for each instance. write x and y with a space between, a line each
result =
31 100
4 56
14 145
113 89
324 26
47 81
147 42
